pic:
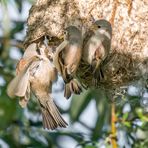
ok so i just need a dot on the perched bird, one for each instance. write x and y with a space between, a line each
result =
96 47
67 59
37 73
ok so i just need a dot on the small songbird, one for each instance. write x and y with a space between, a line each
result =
67 59
96 47
37 73
23 89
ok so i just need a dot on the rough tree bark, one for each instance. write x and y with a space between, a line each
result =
128 59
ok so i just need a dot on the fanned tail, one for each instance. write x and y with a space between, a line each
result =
52 118
72 87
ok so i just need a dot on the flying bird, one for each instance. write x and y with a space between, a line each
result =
36 73
67 59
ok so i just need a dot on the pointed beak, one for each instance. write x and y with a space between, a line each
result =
61 37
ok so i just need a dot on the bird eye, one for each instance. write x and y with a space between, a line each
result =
65 32
99 26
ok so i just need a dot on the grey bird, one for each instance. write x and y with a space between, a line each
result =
37 73
96 47
67 59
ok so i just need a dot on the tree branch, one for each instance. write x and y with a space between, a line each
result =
113 126
14 43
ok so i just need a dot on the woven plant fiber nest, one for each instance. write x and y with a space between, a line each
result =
128 58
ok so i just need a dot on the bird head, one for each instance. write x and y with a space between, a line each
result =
102 25
72 32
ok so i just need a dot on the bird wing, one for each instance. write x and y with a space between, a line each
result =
24 100
18 86
87 36
57 60
30 51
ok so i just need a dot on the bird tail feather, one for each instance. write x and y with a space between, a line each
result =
52 118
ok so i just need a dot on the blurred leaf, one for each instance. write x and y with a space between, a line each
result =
103 109
125 116
4 2
18 26
8 109
128 124
140 114
79 103
134 101
19 4
145 126
31 1
53 136
90 146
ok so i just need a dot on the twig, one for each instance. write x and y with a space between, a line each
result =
85 125
129 4
15 43
113 126
114 12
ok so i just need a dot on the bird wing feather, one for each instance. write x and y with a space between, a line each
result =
57 60
87 36
18 86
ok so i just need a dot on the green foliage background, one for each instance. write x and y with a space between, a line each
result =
20 130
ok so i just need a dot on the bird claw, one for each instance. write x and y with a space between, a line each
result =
95 82
75 87
97 76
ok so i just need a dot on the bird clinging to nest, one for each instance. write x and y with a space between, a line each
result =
67 59
96 47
